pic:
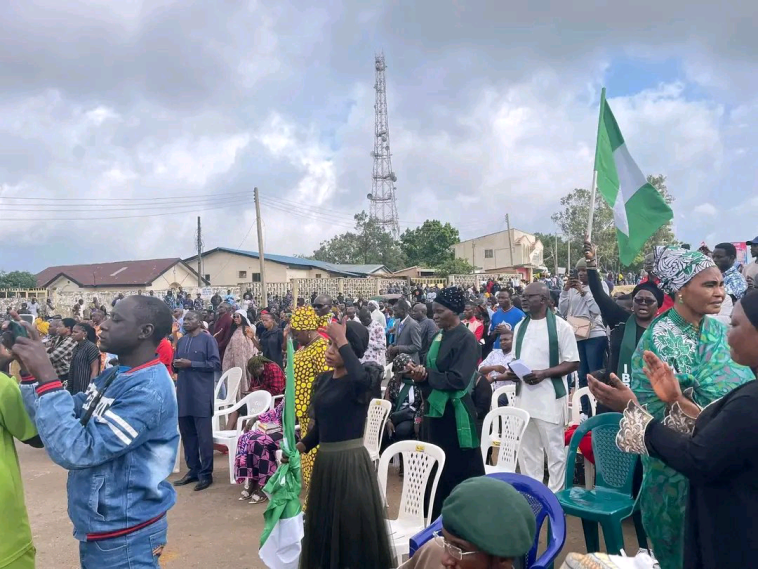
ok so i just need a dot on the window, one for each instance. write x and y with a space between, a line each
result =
318 275
208 278
242 274
256 277
489 254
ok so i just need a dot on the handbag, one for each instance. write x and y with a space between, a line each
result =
582 326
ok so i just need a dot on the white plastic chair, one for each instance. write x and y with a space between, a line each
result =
576 404
275 400
378 412
232 378
576 408
506 427
418 460
509 390
257 402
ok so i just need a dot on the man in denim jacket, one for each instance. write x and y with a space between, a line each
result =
119 459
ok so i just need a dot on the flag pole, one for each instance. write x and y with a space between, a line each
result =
593 192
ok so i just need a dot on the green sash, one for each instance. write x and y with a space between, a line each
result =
437 401
407 385
552 338
628 345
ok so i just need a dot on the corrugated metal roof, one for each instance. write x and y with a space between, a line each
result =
346 270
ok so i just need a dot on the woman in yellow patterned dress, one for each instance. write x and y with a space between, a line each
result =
308 363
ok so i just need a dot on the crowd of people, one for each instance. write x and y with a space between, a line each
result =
660 355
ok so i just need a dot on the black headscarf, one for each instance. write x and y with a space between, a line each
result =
453 298
357 337
749 304
650 287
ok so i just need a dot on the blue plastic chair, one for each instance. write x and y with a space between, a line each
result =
610 501
544 505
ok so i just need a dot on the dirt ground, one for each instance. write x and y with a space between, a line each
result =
209 530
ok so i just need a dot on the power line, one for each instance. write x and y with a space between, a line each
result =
132 199
121 207
90 218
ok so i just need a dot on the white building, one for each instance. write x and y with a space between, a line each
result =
223 266
503 252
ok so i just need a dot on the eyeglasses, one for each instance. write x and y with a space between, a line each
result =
452 550
641 300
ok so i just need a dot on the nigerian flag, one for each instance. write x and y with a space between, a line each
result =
639 210
283 527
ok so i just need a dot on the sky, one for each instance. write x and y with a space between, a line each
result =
121 122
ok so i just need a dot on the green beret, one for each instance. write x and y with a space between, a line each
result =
492 515
581 264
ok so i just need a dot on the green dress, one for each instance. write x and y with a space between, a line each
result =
700 358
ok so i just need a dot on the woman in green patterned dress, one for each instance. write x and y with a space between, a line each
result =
696 347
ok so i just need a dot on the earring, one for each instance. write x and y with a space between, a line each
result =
681 299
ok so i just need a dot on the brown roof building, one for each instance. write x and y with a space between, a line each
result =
150 274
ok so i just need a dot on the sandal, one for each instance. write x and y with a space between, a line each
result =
258 498
247 492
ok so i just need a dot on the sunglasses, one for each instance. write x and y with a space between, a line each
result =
647 301
320 306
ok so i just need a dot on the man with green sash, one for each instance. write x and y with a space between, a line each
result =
546 344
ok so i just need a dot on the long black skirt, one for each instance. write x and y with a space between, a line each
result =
345 523
460 464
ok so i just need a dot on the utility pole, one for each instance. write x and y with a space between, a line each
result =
510 239
556 254
264 293
199 254
568 262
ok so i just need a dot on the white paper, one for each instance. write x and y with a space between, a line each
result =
519 368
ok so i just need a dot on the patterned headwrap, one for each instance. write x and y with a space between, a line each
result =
453 298
304 318
401 362
676 267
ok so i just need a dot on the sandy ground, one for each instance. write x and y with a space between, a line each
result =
210 529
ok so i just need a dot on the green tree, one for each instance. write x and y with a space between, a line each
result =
453 266
17 279
548 241
429 244
368 244
572 222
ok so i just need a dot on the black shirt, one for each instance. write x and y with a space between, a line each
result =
339 405
271 345
720 459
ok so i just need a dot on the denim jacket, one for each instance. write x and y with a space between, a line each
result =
118 463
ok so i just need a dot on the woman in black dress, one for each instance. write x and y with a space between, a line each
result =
85 359
446 382
345 525
715 447
270 340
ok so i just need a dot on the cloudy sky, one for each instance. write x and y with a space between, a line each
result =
120 122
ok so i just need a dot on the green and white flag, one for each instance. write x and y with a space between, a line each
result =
283 519
639 210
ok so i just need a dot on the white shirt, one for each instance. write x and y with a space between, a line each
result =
498 358
33 309
377 316
539 400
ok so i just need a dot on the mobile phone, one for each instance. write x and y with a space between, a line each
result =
13 331
574 274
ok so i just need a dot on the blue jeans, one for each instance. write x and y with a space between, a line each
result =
591 357
138 550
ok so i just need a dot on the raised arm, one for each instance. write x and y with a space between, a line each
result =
612 313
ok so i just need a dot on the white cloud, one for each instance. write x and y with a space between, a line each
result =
199 100
706 209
